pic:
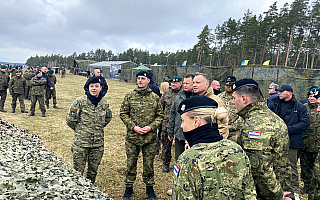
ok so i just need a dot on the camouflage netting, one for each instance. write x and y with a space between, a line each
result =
300 79
31 171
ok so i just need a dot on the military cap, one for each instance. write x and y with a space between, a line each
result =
315 91
50 71
143 73
230 80
196 102
244 82
39 71
18 71
3 67
176 79
285 87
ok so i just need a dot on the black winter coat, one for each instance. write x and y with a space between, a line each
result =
297 120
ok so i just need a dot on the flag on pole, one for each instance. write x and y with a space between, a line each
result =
245 62
266 62
184 63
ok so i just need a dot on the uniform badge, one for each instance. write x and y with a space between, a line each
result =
254 134
234 86
122 104
183 107
73 112
176 169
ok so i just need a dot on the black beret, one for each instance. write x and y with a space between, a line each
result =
315 91
38 72
93 80
143 73
244 82
196 102
230 80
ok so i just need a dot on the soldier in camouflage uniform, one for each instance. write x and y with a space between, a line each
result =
264 138
37 93
51 92
213 168
88 115
28 75
235 121
142 113
4 82
17 88
311 140
63 72
166 102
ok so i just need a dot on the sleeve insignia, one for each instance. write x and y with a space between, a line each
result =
73 112
254 134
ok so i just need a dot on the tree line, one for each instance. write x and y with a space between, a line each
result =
288 36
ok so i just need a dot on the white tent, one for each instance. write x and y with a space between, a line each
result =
109 69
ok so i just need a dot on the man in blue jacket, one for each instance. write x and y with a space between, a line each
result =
296 116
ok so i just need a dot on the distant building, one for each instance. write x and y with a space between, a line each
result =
109 69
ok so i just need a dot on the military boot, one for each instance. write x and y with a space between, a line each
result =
1 110
150 192
305 189
24 111
165 168
128 193
31 114
55 106
43 114
13 110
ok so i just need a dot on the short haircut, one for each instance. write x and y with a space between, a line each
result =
273 85
189 75
251 91
202 74
214 81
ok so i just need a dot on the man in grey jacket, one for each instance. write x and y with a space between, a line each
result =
174 126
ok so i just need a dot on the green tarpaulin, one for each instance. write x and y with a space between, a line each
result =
141 68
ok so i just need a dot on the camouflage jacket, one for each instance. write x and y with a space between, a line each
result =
264 137
311 137
222 123
4 80
37 85
17 85
218 170
53 80
235 121
141 108
166 102
88 121
28 76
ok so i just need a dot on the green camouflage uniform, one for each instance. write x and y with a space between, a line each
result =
264 137
51 93
314 191
166 102
17 88
28 76
141 107
88 122
37 93
218 170
4 81
235 121
311 143
63 73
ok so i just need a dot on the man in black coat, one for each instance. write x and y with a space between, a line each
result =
296 116
103 82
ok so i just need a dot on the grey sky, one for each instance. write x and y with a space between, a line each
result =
30 27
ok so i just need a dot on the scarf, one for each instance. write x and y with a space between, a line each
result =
207 133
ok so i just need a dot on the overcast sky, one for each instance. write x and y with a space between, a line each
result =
40 27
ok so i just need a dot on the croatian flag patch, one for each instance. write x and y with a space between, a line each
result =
254 134
176 169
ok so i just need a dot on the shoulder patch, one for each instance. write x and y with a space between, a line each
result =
122 103
73 112
176 169
254 134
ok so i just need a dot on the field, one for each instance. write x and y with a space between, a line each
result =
58 137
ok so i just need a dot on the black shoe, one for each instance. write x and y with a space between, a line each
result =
13 111
165 168
31 114
150 193
55 107
305 189
3 111
48 107
24 111
43 114
128 193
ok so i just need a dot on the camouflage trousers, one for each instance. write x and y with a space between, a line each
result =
28 90
166 148
3 96
21 101
34 99
49 94
148 154
307 160
314 190
83 155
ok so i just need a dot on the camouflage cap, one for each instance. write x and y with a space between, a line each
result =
176 79
196 102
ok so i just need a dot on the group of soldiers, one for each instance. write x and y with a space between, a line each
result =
35 84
